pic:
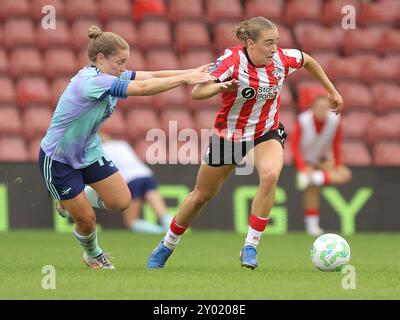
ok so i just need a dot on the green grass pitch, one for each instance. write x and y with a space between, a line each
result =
204 266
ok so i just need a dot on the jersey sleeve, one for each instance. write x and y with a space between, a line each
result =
292 59
100 86
128 75
223 67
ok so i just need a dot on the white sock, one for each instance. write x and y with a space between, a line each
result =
171 240
318 178
93 198
253 237
311 222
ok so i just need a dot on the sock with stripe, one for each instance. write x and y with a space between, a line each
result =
174 234
311 219
93 198
89 243
320 178
257 226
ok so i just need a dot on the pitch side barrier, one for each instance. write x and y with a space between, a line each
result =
368 203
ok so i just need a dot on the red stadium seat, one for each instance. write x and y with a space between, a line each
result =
116 125
387 97
204 119
162 60
140 121
124 28
377 13
273 11
315 38
13 149
386 154
10 122
33 91
79 32
385 128
38 5
190 35
108 9
12 8
179 119
356 124
223 10
366 39
60 62
25 61
152 152
172 99
390 42
136 61
382 70
332 10
7 92
18 32
142 9
346 68
288 118
36 122
59 37
224 36
179 10
296 11
1 35
154 33
195 58
286 96
77 8
356 95
58 86
33 149
355 154
3 62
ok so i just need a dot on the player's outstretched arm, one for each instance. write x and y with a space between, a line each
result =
313 67
209 89
144 75
151 87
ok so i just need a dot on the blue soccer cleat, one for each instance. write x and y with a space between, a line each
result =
159 256
248 257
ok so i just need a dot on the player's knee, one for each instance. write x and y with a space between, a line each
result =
120 203
201 197
268 178
86 223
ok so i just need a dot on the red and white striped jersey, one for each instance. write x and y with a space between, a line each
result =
253 109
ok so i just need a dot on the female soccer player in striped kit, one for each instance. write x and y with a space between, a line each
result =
71 155
316 153
250 77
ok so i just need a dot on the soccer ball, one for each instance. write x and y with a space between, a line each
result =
330 252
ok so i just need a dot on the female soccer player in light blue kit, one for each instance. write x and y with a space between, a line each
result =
71 155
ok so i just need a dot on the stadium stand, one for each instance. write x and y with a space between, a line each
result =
36 64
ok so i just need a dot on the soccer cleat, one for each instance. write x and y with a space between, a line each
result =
99 262
248 257
303 181
61 210
159 256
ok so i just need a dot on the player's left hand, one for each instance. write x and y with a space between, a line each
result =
337 101
205 67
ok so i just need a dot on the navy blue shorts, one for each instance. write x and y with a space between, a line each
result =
64 182
140 186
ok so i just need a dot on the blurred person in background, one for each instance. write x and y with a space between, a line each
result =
316 153
141 183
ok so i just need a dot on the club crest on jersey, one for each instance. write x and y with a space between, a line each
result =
278 73
248 93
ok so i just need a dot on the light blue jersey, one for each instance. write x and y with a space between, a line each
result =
89 99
